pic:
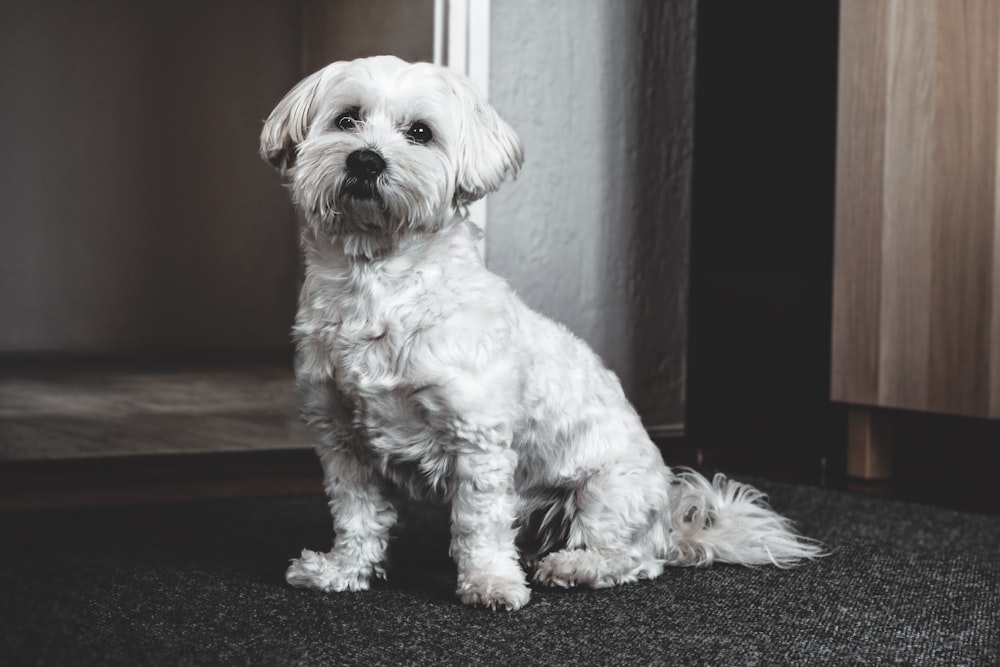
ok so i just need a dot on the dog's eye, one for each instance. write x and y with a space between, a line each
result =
348 120
419 133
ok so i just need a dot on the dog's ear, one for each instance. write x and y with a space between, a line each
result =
489 151
289 123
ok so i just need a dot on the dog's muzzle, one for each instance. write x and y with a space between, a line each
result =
363 169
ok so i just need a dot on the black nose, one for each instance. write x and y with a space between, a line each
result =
365 164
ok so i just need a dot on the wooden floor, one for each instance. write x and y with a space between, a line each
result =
53 413
100 435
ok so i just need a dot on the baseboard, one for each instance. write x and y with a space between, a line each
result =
663 431
157 478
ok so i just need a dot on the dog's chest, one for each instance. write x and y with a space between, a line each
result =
406 350
371 339
370 333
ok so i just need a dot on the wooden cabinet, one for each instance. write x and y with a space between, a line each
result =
136 218
916 311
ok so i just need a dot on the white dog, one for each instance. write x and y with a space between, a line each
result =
422 374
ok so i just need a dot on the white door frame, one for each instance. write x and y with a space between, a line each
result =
462 43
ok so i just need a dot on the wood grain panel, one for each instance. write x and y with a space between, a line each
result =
965 137
904 317
859 197
916 267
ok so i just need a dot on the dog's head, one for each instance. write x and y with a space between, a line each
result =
378 146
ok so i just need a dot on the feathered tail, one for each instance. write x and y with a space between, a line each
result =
730 522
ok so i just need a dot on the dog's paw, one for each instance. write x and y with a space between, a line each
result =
596 569
567 569
494 591
319 571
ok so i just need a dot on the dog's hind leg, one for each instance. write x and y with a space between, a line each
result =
617 533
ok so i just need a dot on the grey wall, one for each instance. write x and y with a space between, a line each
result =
594 231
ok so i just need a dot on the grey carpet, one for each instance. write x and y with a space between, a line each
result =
201 584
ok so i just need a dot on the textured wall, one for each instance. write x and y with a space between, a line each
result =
594 230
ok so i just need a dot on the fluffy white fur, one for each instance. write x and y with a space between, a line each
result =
422 375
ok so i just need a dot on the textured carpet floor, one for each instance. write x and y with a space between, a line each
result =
201 583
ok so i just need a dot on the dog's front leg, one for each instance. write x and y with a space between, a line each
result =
482 530
362 516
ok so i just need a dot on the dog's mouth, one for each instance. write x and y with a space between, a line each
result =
363 189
